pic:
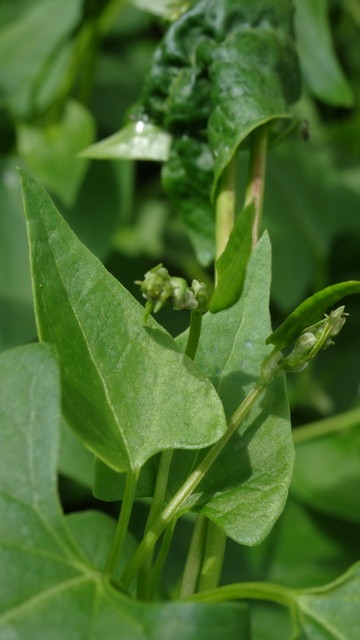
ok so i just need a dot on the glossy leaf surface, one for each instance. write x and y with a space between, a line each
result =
246 489
128 391
60 584
310 311
136 141
231 266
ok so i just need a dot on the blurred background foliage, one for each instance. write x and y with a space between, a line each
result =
69 72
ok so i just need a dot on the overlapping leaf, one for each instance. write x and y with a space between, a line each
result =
52 588
246 489
128 391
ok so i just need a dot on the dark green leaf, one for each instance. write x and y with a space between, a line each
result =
246 489
52 588
310 311
128 391
187 178
231 266
50 152
318 60
109 485
136 141
75 461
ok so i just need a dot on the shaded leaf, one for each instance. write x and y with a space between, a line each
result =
109 485
51 585
327 474
231 266
128 391
245 490
309 311
136 141
318 60
50 152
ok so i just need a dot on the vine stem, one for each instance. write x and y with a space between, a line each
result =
213 558
194 557
176 503
123 522
256 179
225 207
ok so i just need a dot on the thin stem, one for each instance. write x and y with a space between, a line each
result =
225 207
123 522
194 558
213 558
178 500
256 179
155 510
340 422
161 557
194 333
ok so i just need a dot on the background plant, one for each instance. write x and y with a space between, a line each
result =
49 89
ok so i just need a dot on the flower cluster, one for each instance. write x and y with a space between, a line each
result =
158 287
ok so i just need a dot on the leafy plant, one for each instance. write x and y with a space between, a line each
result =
184 436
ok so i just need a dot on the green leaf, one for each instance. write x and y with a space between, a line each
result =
50 152
136 141
128 390
326 472
52 589
231 266
26 45
245 490
309 311
332 612
163 8
318 60
75 461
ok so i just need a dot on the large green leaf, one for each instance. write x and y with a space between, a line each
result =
246 489
319 63
332 612
52 588
128 390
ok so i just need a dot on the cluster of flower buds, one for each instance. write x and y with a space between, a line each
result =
158 287
312 340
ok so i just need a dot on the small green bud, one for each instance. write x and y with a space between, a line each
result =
201 295
156 287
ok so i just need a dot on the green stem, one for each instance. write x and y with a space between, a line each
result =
162 555
249 590
340 422
213 558
155 510
194 333
194 558
225 207
174 506
256 179
123 522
